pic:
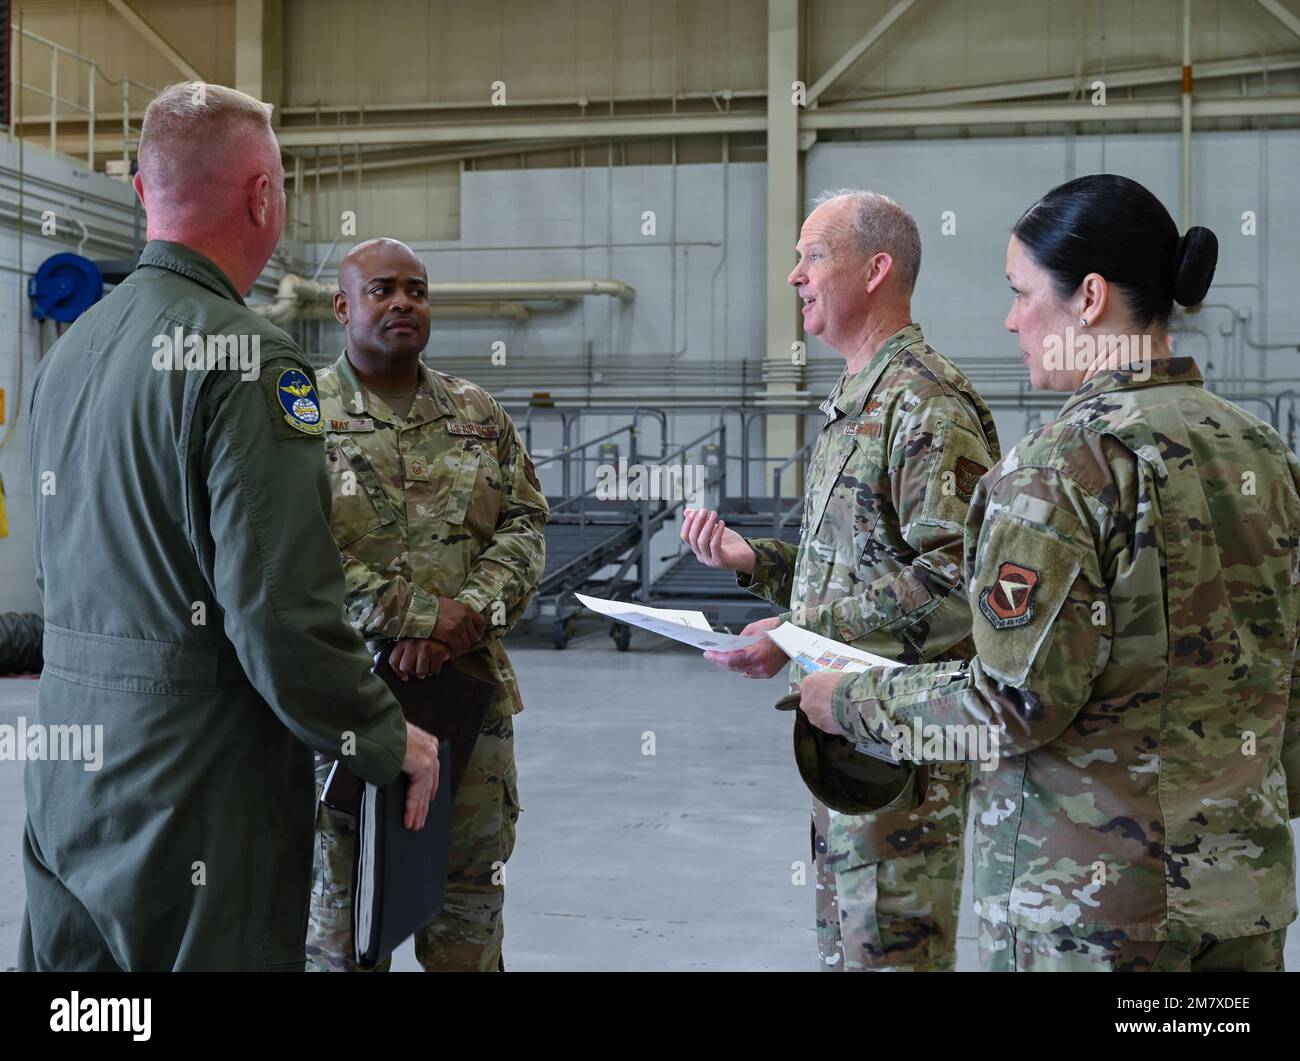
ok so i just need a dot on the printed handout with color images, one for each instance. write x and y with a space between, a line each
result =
813 652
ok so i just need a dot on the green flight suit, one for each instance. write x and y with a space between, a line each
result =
193 601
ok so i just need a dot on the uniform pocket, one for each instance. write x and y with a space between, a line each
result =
358 506
510 812
901 913
832 466
463 482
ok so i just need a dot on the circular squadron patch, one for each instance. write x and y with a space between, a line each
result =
298 399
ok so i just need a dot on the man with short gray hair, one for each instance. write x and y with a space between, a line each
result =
192 590
878 566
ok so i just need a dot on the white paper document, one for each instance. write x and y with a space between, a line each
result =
813 652
690 628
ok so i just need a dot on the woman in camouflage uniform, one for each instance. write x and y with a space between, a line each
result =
1133 565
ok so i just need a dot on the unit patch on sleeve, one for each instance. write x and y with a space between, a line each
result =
968 476
299 402
1009 602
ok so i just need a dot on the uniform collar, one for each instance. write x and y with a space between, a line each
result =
1158 373
430 396
851 392
179 258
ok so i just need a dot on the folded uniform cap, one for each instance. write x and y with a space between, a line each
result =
845 779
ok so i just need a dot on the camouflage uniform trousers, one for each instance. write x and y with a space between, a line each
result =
467 935
1008 949
895 914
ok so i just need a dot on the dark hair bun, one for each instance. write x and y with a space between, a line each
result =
1194 262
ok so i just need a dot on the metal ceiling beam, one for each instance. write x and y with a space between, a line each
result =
137 22
859 49
422 158
603 128
620 129
1023 113
1171 73
839 118
1282 15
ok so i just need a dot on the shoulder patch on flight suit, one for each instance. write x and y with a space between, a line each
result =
299 402
969 474
1009 602
464 427
530 470
292 401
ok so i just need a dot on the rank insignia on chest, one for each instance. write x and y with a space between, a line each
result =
298 400
1009 602
867 428
463 427
968 477
349 426
417 470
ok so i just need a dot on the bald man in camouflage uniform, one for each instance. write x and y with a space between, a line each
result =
878 566
1134 571
440 518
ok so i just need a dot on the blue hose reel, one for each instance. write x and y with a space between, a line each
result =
64 287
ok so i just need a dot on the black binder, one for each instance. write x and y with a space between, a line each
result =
451 705
399 876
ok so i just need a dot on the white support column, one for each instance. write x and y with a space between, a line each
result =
259 50
784 216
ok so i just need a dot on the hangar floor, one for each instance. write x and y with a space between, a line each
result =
680 860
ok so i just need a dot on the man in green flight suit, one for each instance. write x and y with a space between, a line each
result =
441 520
192 589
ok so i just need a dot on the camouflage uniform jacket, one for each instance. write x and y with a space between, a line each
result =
878 566
445 503
1134 569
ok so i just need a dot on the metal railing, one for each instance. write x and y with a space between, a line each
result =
90 109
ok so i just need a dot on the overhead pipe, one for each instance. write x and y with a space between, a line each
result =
324 311
468 298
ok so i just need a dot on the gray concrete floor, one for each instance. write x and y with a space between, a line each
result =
681 860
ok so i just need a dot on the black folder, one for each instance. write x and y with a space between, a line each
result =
450 704
399 875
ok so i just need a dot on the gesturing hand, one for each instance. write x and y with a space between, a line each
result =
713 543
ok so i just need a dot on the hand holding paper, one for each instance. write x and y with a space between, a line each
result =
763 659
783 644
